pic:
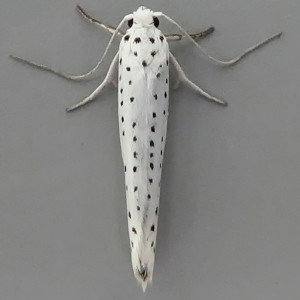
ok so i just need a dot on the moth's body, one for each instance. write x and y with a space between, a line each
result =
143 110
143 83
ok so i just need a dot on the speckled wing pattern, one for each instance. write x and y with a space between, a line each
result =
143 100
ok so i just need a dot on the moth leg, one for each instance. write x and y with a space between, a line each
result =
184 79
107 80
96 22
48 69
194 36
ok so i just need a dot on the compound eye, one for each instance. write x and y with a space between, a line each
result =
156 21
130 22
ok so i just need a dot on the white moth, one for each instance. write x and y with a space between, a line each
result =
143 98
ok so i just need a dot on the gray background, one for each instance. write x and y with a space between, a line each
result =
230 212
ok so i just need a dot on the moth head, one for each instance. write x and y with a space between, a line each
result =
144 17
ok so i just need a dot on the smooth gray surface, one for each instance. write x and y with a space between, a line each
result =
230 212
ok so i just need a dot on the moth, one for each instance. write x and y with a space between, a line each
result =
143 61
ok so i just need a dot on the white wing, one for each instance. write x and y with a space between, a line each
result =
143 111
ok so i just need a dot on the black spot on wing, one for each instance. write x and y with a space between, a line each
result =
137 40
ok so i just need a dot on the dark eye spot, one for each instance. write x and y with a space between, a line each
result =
152 40
161 153
151 166
123 133
135 189
134 230
129 215
153 128
126 37
137 40
166 80
122 119
153 53
153 228
161 38
134 169
121 103
131 99
154 115
164 112
151 143
134 139
130 22
135 154
156 210
120 60
132 244
156 22
133 124
160 165
155 96
121 91
151 154
162 138
135 53
128 68
125 168
149 196
152 244
157 75
138 208
129 82
150 180
167 62
165 94
144 63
